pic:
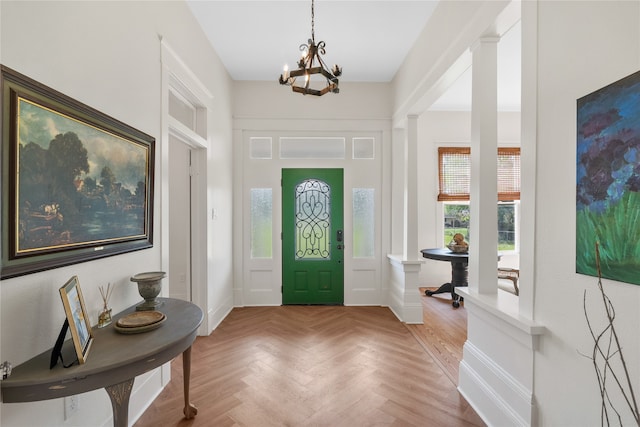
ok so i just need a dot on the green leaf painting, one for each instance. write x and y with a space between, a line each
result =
608 181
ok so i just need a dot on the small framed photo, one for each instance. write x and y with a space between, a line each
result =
77 317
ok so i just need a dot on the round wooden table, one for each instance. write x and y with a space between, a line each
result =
459 271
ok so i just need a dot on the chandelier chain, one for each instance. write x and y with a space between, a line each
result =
313 33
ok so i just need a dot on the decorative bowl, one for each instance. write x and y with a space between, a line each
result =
149 287
459 249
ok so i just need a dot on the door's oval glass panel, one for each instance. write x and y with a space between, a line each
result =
313 220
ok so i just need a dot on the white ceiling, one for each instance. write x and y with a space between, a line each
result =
368 38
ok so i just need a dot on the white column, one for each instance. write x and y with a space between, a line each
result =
404 280
484 145
528 153
410 246
397 190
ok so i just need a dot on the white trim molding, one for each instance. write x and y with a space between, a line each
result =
177 77
404 295
496 372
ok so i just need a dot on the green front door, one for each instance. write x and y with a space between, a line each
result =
312 236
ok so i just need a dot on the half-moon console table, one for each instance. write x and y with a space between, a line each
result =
113 362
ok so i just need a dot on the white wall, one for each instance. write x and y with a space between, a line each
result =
582 46
107 55
272 101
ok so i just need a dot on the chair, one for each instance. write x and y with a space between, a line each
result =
512 274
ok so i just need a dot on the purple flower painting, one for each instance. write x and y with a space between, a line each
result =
608 181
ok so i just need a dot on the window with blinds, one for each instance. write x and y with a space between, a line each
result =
454 173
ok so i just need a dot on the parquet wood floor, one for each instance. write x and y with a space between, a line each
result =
321 366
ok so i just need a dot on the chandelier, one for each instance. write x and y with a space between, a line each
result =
309 64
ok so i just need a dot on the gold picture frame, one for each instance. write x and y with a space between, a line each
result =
77 318
75 184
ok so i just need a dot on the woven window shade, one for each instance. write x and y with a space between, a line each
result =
454 173
508 174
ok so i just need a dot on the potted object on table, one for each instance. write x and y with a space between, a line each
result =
149 287
458 245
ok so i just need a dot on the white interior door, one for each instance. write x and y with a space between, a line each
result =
179 219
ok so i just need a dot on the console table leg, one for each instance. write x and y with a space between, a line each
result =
190 409
119 395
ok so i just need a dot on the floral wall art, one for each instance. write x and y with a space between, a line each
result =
608 181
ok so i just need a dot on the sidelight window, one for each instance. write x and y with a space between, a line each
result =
261 222
363 222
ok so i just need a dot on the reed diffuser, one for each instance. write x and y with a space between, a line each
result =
104 318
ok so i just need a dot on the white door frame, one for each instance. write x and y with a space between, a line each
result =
177 77
261 282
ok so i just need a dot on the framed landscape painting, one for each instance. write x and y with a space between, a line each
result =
76 184
608 181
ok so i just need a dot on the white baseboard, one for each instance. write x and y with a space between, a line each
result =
497 397
217 315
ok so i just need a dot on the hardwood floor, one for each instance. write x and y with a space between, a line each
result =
323 366
443 333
